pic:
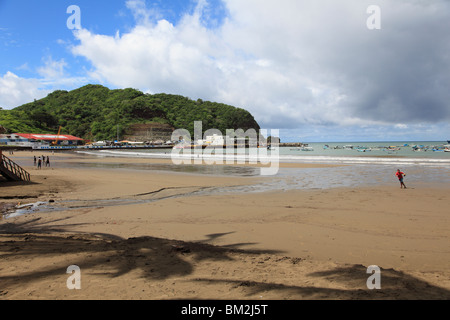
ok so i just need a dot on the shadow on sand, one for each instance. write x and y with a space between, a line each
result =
159 259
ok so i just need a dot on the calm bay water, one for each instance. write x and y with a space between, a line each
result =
362 165
333 153
375 166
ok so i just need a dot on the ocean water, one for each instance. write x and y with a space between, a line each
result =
354 169
365 164
401 153
424 149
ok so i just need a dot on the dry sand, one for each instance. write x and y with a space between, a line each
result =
144 235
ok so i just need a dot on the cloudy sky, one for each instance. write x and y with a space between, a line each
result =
318 70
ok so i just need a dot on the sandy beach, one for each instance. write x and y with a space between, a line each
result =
154 235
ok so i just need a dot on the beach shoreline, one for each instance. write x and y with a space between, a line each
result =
140 234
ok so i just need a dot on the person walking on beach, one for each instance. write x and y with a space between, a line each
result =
400 176
39 163
47 162
34 160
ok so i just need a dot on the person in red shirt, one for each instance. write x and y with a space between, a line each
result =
400 176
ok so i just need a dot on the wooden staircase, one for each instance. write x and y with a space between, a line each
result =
12 171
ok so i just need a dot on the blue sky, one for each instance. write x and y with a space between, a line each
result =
34 31
312 69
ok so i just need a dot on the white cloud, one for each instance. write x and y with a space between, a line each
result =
294 64
291 63
24 66
401 126
141 13
15 91
52 69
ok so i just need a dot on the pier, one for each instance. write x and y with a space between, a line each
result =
12 171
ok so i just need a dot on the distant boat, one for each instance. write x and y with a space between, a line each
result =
303 149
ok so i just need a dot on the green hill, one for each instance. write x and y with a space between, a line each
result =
94 111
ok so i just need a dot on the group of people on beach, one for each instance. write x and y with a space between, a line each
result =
38 161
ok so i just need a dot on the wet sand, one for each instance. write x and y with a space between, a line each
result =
139 234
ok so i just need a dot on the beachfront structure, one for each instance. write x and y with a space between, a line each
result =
11 170
217 140
31 140
60 140
100 144
132 143
15 140
214 140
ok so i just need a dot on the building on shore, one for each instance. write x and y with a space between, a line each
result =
31 140
14 139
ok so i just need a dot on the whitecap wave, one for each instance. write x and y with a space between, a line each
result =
266 158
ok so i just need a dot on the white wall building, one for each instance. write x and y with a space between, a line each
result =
214 140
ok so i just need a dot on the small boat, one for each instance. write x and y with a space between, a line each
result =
303 149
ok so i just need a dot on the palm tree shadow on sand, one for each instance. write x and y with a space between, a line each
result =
159 259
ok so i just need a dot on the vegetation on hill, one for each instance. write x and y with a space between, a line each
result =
96 112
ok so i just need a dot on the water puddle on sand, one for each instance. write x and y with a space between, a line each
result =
152 196
215 170
25 209
286 179
64 205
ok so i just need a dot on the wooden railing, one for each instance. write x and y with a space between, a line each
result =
8 166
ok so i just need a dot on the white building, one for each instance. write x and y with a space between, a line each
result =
15 140
214 140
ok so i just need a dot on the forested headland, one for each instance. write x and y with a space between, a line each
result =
95 112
